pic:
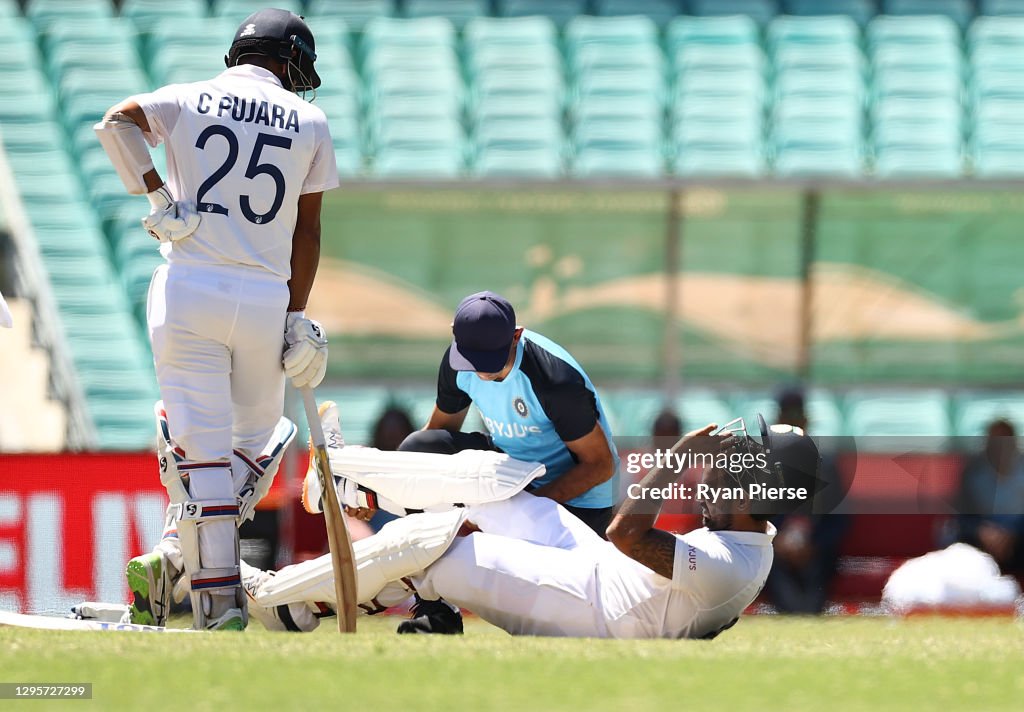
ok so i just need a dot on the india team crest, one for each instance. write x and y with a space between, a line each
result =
520 405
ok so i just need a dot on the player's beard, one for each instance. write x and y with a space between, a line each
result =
715 522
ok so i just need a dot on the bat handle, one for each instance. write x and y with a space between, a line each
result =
316 430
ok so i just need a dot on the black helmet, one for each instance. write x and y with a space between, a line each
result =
791 459
282 35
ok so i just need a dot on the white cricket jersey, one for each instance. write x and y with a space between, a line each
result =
243 148
716 575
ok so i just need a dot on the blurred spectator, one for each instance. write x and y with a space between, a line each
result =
807 543
991 500
391 428
667 425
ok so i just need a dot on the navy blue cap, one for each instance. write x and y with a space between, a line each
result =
484 326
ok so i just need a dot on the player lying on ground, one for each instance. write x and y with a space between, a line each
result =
526 564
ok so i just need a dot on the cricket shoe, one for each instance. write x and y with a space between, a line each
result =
437 617
150 583
233 619
293 617
331 423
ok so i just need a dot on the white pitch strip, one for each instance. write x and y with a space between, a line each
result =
20 620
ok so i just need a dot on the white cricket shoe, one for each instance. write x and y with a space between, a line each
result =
331 423
294 617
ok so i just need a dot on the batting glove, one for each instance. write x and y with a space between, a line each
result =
305 350
170 220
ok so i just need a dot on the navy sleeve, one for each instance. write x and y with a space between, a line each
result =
450 398
569 404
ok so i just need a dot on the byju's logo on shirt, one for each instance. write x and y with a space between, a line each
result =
520 405
498 429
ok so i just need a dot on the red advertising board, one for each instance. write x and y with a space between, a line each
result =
70 522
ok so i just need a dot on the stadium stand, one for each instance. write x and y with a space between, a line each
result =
516 96
432 88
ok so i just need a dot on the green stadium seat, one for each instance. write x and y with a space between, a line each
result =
518 162
860 11
618 147
839 58
998 85
486 32
928 58
999 32
959 11
146 14
415 163
458 12
498 82
355 13
820 32
892 420
927 85
824 418
660 11
947 110
697 407
998 161
735 30
560 11
419 134
26 106
761 11
526 105
630 31
238 10
1002 7
623 162
43 12
132 384
997 57
714 84
818 145
916 162
523 58
419 34
631 413
973 411
541 131
745 58
836 85
708 159
927 30
714 150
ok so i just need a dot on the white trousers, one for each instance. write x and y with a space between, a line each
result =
217 336
531 570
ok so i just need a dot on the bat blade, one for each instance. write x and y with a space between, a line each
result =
338 538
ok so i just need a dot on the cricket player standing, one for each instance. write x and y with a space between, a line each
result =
239 225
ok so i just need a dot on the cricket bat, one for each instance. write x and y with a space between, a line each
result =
338 538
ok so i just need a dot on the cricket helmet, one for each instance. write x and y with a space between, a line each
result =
282 35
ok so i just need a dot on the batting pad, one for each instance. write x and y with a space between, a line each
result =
403 547
418 480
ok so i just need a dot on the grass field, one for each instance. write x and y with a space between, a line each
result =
764 663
